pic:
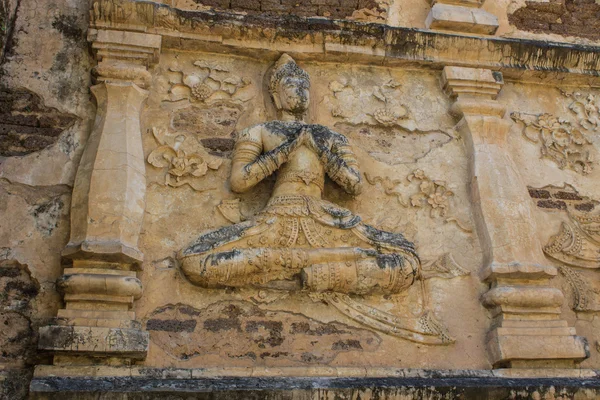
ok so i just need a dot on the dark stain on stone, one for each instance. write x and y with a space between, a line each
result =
586 207
221 147
24 289
47 215
16 285
567 196
349 344
218 237
222 324
26 125
563 17
18 338
304 328
562 198
338 9
171 325
539 193
551 204
187 310
8 17
310 358
67 26
9 271
231 322
274 328
242 330
277 354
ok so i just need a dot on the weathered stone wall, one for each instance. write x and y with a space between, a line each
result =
580 18
377 87
45 110
339 9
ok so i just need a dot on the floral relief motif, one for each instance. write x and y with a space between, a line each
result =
390 113
565 142
586 109
209 82
432 194
182 167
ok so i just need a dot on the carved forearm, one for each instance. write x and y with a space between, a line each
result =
249 169
340 167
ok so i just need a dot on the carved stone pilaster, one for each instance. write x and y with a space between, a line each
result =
527 330
461 16
107 210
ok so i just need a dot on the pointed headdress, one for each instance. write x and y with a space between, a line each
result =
284 67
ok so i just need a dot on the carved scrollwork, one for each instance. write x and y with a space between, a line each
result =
566 142
578 241
585 297
444 267
387 112
422 329
577 244
432 194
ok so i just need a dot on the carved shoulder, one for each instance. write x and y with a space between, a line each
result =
251 134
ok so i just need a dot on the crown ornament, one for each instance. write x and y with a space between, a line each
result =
286 67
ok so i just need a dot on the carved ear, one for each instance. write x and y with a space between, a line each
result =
276 99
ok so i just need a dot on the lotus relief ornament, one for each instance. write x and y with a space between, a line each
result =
433 193
207 83
201 91
181 166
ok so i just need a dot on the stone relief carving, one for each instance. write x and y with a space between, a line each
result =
577 244
578 241
566 142
388 113
183 167
207 83
230 209
433 195
585 297
300 241
111 11
443 267
375 119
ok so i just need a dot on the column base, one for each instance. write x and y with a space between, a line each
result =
536 348
94 341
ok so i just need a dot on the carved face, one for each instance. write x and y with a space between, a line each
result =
293 94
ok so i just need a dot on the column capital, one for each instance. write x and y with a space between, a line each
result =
124 55
474 91
479 82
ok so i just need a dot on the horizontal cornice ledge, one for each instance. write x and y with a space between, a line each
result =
321 39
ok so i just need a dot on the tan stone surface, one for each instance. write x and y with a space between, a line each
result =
469 167
457 18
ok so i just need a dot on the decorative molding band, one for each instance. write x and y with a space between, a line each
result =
350 41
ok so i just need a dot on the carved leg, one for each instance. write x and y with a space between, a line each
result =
345 270
386 273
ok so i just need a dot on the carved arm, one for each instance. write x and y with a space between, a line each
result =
250 165
342 167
